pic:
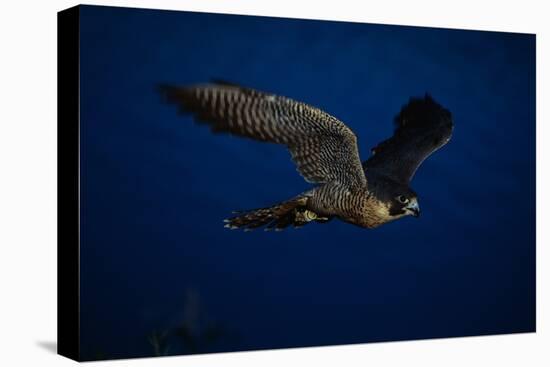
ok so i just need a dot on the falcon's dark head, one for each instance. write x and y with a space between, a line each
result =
397 199
404 202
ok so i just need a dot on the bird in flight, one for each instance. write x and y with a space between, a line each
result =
325 152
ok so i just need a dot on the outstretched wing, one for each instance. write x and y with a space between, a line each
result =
323 148
422 127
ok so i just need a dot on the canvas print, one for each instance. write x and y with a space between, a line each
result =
249 183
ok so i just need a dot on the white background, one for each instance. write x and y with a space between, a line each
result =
28 184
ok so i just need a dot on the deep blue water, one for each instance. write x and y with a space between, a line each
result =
155 188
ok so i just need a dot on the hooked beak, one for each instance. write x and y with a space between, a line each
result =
413 208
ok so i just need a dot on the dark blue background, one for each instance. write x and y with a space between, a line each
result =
155 188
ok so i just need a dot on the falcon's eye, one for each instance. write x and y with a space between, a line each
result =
402 199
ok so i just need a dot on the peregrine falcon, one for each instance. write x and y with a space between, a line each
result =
325 152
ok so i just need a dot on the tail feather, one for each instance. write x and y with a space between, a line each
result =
277 217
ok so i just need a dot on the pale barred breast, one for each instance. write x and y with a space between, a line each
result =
337 199
375 212
358 207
